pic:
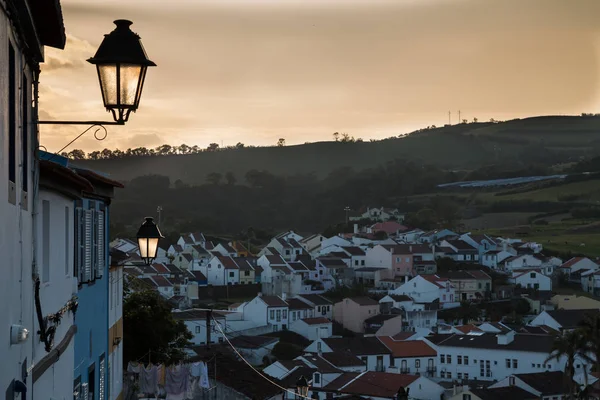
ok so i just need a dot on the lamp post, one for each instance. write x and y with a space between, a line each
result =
301 387
148 236
121 63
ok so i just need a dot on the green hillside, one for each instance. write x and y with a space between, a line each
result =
541 140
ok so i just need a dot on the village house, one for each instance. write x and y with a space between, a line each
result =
494 259
268 310
383 324
312 328
410 236
411 357
299 309
322 307
546 385
288 248
241 249
374 354
531 279
379 386
469 284
415 315
254 349
562 320
195 321
186 242
493 356
222 270
378 214
352 312
461 250
483 243
225 249
312 243
574 302
429 288
522 261
577 264
464 392
246 267
184 260
436 236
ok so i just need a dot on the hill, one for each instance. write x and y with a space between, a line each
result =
538 140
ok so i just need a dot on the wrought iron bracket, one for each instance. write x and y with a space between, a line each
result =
98 124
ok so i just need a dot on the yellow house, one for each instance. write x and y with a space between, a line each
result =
246 271
574 302
241 250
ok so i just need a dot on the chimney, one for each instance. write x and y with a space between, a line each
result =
405 278
506 338
355 228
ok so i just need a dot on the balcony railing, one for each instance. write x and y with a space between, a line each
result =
404 370
431 370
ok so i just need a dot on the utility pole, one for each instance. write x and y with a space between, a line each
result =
159 211
208 321
459 120
449 117
347 209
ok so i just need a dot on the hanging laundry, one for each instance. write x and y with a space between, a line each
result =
160 375
148 379
193 384
134 367
204 382
176 381
195 369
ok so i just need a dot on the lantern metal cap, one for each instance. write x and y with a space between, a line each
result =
149 229
121 46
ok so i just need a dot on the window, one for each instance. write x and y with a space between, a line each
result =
272 314
12 125
448 359
459 359
449 375
220 339
45 241
466 396
459 375
466 359
287 252
197 329
77 389
403 366
442 358
397 259
511 380
317 378
284 314
101 377
24 138
515 363
278 314
91 388
481 368
466 376
507 363
246 273
318 347
67 239
532 275
355 262
417 363
379 366
362 262
231 274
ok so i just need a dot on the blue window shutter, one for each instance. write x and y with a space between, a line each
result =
79 239
88 244
100 244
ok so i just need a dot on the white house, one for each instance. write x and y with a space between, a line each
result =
428 288
370 350
494 258
225 249
186 242
481 242
57 286
322 307
312 243
26 28
268 310
312 328
531 279
379 256
115 322
578 263
378 214
562 320
493 356
414 315
462 251
195 321
590 281
547 385
522 261
221 270
411 357
409 236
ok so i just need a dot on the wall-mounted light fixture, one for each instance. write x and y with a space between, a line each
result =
18 334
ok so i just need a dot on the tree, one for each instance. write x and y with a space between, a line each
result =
148 325
590 329
214 178
336 136
468 312
240 145
281 142
475 120
570 345
76 154
286 351
212 147
230 178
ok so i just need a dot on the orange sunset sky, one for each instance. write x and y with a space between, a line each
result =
253 71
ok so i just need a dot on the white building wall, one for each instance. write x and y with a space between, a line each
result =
378 257
55 261
16 286
530 279
311 332
198 330
215 273
256 310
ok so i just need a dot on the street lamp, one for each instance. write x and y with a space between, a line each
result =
148 236
121 62
302 387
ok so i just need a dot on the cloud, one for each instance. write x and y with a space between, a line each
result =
76 51
147 140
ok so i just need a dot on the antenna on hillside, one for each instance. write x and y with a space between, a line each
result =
459 120
449 117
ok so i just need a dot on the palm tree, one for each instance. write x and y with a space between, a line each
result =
590 329
570 345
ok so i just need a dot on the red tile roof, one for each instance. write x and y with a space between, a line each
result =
411 348
161 281
228 262
388 227
316 321
274 301
378 384
275 259
160 268
435 279
571 262
467 328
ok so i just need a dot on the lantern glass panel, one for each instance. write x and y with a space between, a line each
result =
130 76
108 83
